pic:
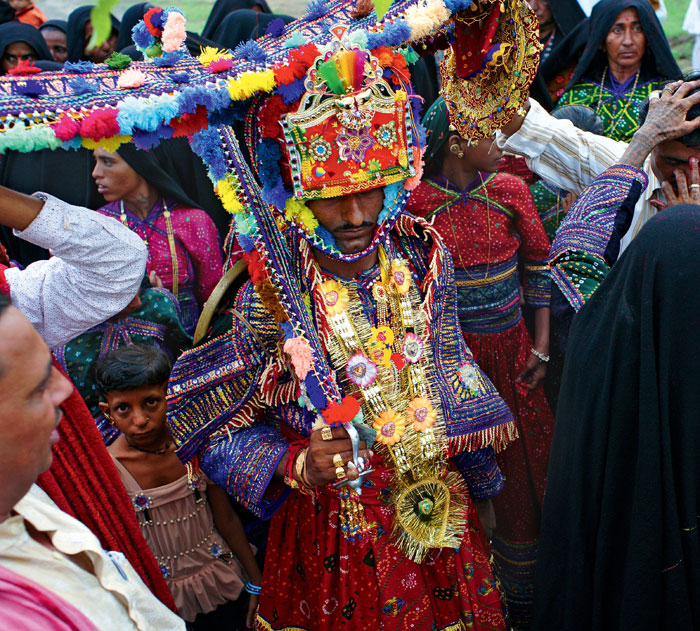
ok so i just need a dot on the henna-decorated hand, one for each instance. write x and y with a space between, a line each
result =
320 469
568 202
666 120
684 194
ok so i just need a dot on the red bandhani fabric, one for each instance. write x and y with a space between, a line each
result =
502 357
84 483
315 579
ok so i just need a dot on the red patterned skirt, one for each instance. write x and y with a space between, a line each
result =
316 580
502 357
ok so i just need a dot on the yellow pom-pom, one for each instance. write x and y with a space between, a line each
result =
229 198
209 54
108 144
250 83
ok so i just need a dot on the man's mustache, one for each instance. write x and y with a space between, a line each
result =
348 226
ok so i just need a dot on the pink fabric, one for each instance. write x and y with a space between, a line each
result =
27 606
197 563
196 245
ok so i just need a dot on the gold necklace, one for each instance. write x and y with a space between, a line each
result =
627 102
410 430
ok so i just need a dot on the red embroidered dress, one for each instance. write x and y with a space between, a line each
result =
490 228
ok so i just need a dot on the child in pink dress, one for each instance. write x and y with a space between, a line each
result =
188 522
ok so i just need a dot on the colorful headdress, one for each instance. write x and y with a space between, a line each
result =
356 127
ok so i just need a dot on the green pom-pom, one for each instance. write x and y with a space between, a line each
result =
410 55
154 51
118 61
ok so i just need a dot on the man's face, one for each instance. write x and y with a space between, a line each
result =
351 219
16 52
31 391
544 15
56 41
625 42
670 156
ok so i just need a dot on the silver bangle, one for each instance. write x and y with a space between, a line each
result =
541 356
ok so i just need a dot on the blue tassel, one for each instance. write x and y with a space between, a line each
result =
142 38
149 139
275 27
180 77
250 51
79 67
32 88
292 92
276 196
205 144
316 10
79 85
166 60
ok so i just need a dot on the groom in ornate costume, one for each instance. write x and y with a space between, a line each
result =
406 549
347 327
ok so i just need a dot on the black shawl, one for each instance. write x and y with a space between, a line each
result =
245 24
146 165
222 8
619 547
59 25
12 32
132 16
178 174
76 31
658 61
567 15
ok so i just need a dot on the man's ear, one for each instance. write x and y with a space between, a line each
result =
104 408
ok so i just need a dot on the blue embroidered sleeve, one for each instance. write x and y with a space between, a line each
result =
481 473
588 241
244 462
538 286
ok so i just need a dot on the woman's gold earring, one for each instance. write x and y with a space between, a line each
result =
457 150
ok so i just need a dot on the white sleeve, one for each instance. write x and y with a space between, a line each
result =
559 152
95 271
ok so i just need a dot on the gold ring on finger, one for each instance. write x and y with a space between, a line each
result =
340 473
327 433
338 461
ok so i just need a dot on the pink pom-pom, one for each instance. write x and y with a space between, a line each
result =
174 32
412 182
300 352
220 65
131 79
100 124
66 128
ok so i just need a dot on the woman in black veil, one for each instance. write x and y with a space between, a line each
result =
619 546
222 8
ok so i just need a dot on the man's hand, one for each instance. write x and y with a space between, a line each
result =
320 469
517 121
686 194
568 202
18 210
666 120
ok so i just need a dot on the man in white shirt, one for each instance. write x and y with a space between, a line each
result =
571 159
39 542
95 271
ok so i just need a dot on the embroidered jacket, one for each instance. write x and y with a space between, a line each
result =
233 401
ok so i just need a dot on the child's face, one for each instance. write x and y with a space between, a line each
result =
139 414
484 155
17 5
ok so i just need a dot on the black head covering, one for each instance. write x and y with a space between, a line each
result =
12 32
582 117
567 15
658 61
222 8
59 25
619 546
146 165
132 16
76 31
243 25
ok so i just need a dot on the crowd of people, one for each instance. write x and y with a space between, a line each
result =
449 383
